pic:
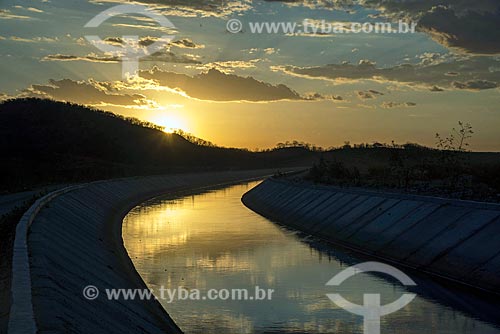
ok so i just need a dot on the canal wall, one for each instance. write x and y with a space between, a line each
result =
453 239
71 239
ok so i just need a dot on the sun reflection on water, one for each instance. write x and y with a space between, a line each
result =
211 241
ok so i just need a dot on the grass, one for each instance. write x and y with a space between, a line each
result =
415 170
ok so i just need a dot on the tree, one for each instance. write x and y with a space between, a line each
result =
457 140
453 160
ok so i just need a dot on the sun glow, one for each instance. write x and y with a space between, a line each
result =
170 122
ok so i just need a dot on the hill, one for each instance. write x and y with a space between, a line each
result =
414 169
45 141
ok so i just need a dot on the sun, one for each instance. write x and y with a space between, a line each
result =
170 122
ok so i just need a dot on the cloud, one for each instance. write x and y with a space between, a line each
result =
148 40
364 95
4 97
389 105
228 66
475 85
267 51
139 47
194 8
143 27
117 41
481 72
6 14
206 8
30 9
170 57
33 39
141 43
346 5
436 89
414 7
309 34
318 97
186 43
84 92
161 56
369 94
90 58
270 51
218 86
374 92
212 85
471 32
471 26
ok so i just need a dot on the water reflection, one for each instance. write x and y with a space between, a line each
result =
211 241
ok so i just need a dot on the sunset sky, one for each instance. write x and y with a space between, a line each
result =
255 90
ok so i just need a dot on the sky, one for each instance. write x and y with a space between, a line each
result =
254 90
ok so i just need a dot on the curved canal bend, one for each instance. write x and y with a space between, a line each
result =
212 241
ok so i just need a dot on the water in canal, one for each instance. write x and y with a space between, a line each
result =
212 241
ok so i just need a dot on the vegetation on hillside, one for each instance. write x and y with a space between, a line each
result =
45 142
449 170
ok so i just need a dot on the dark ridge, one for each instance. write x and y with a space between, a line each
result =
44 141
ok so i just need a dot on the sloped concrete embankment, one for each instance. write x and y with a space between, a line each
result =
458 240
74 240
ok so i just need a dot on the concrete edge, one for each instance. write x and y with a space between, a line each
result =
116 225
21 317
389 194
261 209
